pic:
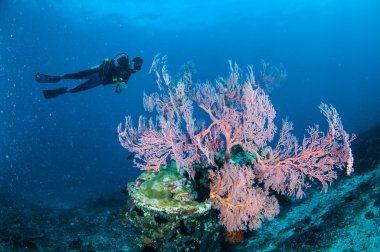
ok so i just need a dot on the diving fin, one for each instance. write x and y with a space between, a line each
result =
44 78
51 93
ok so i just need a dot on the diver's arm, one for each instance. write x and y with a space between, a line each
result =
120 86
122 82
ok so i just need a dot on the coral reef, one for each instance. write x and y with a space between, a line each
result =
163 208
239 114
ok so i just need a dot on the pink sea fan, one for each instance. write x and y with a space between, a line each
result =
242 205
288 168
238 113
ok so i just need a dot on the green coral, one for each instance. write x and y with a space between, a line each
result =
167 193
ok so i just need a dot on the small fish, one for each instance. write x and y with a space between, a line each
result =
129 157
124 190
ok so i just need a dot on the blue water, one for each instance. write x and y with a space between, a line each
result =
66 149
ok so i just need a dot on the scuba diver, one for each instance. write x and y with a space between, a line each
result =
116 71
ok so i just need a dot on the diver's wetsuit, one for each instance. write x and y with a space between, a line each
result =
115 71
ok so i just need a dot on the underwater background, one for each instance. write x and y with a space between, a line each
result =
61 152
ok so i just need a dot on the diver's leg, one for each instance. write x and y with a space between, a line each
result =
44 78
51 93
85 86
80 75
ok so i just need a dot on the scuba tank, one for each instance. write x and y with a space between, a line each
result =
108 67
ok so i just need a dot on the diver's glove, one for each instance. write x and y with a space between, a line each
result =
120 87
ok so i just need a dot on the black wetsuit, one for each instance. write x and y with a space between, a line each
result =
115 71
